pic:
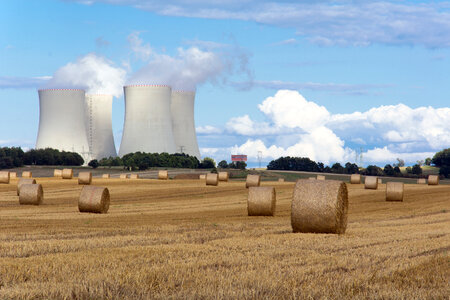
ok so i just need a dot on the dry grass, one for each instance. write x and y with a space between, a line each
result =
182 239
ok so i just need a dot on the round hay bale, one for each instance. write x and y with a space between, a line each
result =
85 178
23 181
27 174
123 176
380 181
252 180
261 201
57 173
134 176
280 179
212 179
394 191
31 194
105 176
319 206
371 182
433 180
4 177
12 175
421 181
67 173
163 175
223 176
94 199
355 179
202 176
320 177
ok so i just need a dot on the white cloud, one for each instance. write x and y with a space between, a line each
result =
189 67
290 109
93 73
140 49
395 130
345 22
208 129
336 88
8 82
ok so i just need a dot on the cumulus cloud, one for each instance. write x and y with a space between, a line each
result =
393 131
93 73
189 67
326 23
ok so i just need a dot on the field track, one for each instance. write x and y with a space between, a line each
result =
182 239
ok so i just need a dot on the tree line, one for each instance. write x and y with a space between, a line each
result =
15 157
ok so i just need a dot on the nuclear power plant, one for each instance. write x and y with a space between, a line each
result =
148 120
99 126
157 120
183 123
62 123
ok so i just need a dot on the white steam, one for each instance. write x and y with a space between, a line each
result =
188 68
95 74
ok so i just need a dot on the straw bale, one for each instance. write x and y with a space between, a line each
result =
355 179
433 179
319 206
421 181
202 176
380 181
123 176
163 175
252 180
67 173
94 199
134 176
23 181
105 176
212 179
394 191
280 179
371 182
320 177
27 174
57 173
85 178
12 175
261 201
223 176
32 194
4 177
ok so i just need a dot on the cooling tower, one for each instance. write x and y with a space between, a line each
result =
148 120
99 126
62 121
183 123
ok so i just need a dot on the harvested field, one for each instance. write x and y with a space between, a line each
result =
181 239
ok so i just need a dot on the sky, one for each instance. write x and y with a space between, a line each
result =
327 80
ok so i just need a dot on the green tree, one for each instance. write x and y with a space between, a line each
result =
208 163
428 161
389 170
442 158
223 164
93 164
416 169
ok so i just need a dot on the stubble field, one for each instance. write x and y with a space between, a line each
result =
182 239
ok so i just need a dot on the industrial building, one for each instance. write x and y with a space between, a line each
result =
183 123
157 120
99 126
148 120
62 123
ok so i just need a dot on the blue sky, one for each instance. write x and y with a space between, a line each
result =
303 78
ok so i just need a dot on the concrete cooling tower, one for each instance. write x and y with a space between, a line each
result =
99 126
148 120
62 121
183 123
